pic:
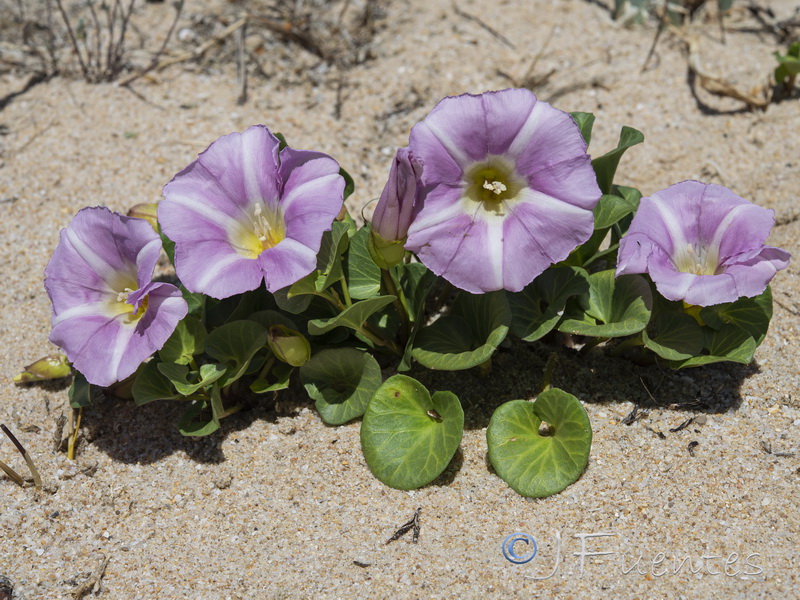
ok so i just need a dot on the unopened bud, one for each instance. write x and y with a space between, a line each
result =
288 345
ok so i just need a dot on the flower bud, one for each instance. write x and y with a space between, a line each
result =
397 206
395 210
54 366
288 345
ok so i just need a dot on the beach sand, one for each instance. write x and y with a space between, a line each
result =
279 505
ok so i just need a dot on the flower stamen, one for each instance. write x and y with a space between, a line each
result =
123 295
498 187
260 224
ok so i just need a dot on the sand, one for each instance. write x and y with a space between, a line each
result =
279 505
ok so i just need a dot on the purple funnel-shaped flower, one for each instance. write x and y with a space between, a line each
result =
702 244
108 314
508 190
244 212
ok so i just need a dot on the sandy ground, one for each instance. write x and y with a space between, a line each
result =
278 505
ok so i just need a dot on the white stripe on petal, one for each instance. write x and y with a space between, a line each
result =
540 199
213 215
494 250
722 228
104 308
447 143
120 345
97 264
215 268
308 188
432 218
525 133
680 246
252 150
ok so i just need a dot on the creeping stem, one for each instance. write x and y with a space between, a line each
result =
400 302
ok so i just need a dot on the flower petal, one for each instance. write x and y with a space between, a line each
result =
212 267
286 263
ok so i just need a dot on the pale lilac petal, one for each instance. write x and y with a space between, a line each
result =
287 263
541 231
100 272
572 180
551 137
634 254
441 204
244 165
753 276
244 199
181 215
165 308
702 244
438 246
94 346
508 189
213 268
311 196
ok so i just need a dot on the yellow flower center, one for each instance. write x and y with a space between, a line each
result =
492 182
122 307
265 230
697 260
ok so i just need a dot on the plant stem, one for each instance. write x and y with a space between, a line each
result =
592 343
74 437
400 304
629 343
548 372
346 292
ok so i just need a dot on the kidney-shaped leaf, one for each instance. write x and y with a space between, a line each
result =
536 309
534 464
341 381
613 307
468 336
407 435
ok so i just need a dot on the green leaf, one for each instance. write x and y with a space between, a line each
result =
733 330
409 437
611 209
53 366
341 382
168 245
329 259
533 464
416 281
605 166
295 300
585 123
235 344
468 336
268 318
749 314
179 376
195 302
363 275
349 184
538 308
80 392
281 140
352 317
151 385
187 340
672 334
280 375
613 307
726 344
189 423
